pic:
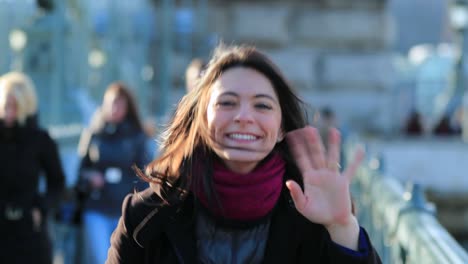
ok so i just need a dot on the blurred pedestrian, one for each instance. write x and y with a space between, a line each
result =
26 153
241 179
457 121
413 125
443 127
114 141
193 72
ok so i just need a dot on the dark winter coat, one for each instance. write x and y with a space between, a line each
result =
118 147
26 153
149 234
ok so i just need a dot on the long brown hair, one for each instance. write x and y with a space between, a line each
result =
186 145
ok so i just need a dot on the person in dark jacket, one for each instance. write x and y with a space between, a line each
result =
414 125
114 141
26 153
242 179
193 73
443 127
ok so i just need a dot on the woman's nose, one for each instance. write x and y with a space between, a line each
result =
244 115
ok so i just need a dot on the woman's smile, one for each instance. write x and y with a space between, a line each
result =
242 137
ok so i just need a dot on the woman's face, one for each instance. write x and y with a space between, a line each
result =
115 108
244 118
9 110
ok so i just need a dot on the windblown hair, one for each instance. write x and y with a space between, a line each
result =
21 87
186 146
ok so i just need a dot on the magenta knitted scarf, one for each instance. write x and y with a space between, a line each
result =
247 196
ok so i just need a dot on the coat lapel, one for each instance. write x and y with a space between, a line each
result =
282 239
181 233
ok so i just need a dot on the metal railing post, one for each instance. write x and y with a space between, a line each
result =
401 222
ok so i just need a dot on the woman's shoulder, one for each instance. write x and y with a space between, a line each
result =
144 215
40 135
138 205
131 129
40 132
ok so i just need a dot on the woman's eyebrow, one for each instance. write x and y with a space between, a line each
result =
267 96
229 93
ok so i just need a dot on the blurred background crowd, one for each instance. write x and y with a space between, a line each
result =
375 63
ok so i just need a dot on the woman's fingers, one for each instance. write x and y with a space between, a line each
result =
296 143
300 200
315 147
334 146
307 148
352 168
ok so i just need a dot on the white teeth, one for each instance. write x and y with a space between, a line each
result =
242 136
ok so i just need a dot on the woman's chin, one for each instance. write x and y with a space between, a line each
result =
241 158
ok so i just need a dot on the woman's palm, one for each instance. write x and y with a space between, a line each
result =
326 198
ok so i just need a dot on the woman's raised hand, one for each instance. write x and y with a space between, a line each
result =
326 197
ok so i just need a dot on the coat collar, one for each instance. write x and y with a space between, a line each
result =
177 222
282 226
181 232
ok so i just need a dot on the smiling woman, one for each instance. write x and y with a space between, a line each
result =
239 175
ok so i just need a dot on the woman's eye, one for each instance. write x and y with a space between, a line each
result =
226 103
263 106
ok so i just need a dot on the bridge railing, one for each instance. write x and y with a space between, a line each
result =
401 223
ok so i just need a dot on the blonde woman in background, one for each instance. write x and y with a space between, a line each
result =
26 153
25 84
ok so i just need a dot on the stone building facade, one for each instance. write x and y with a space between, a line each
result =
337 53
